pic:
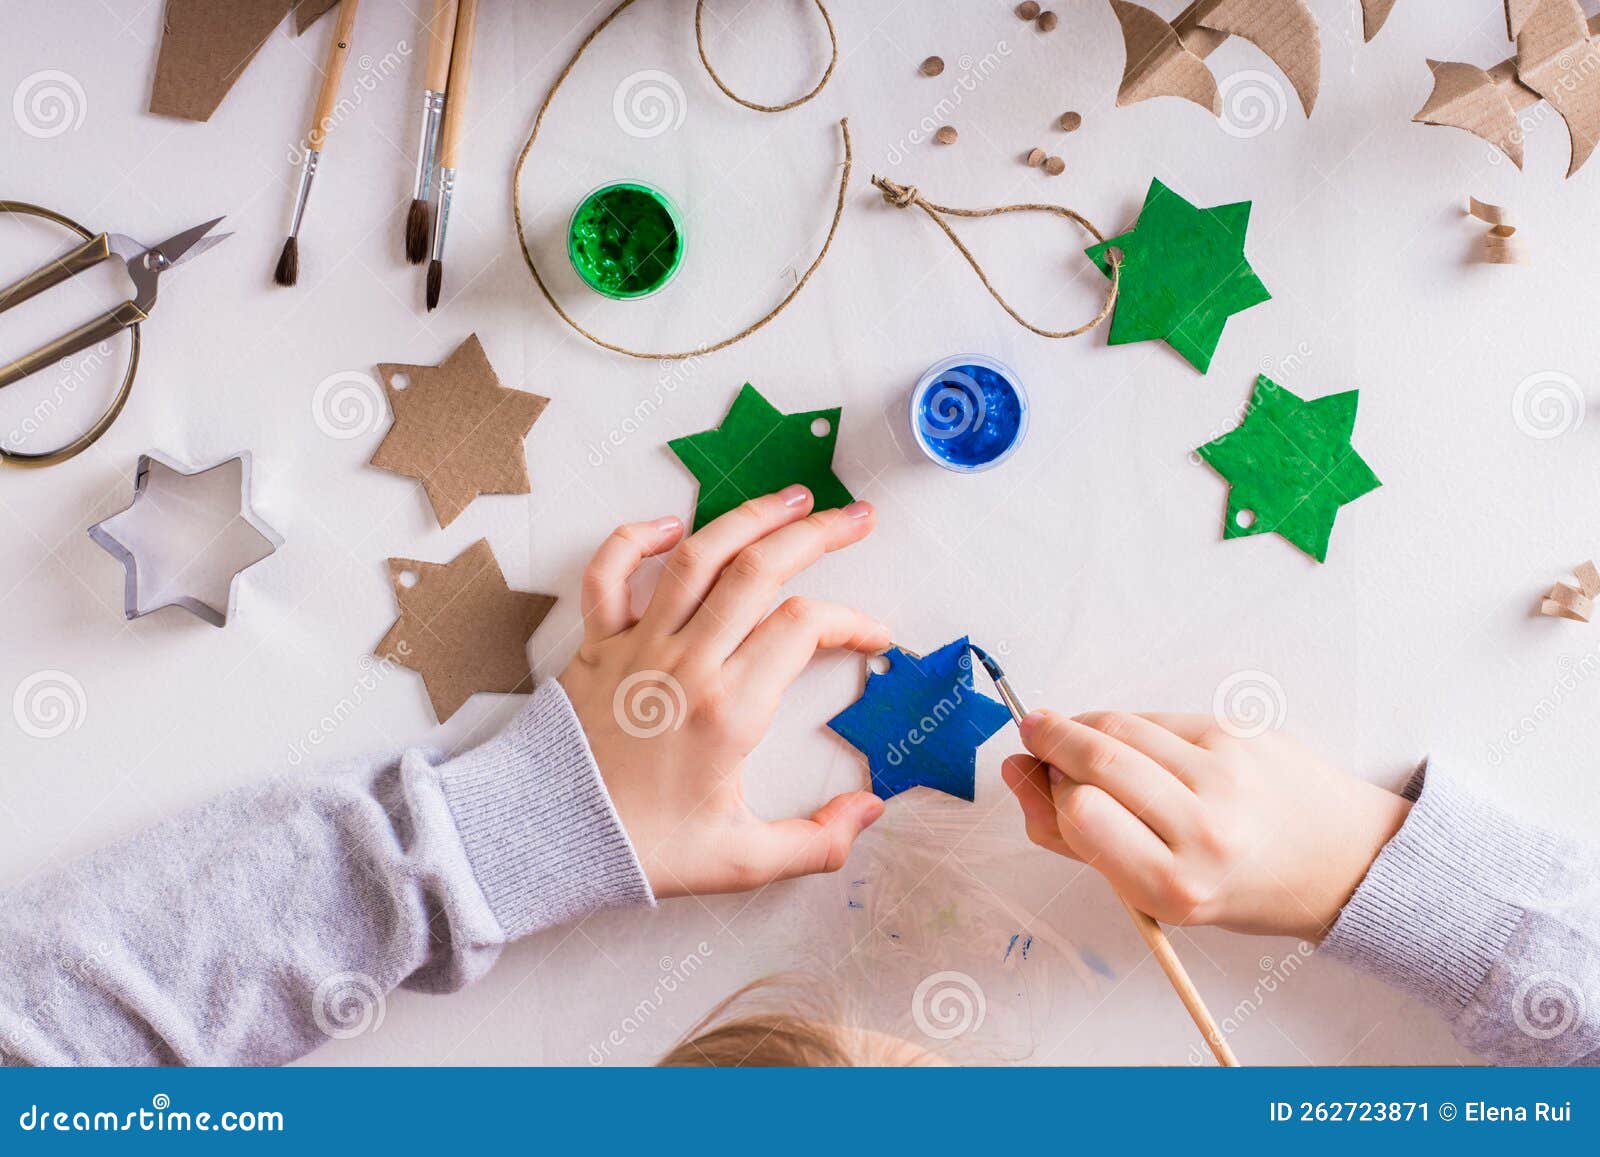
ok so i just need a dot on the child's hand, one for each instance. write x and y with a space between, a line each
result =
673 700
1194 826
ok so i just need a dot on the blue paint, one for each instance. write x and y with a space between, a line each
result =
1092 959
969 413
1026 944
1012 943
855 904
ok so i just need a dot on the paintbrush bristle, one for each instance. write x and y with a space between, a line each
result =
417 233
288 271
435 280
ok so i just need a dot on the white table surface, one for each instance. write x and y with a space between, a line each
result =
1093 558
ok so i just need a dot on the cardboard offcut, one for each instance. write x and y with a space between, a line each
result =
207 44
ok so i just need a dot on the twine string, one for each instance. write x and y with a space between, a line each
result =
800 283
907 196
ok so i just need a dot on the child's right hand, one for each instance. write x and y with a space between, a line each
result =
1194 826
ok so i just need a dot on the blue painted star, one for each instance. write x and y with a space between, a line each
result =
920 722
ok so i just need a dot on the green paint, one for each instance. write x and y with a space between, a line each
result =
1184 273
1290 466
625 240
759 449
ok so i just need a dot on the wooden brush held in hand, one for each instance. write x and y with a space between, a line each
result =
288 271
455 110
441 32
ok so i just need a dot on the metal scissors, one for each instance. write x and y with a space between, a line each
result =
144 263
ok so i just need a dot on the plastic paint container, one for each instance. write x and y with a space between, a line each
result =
626 240
969 413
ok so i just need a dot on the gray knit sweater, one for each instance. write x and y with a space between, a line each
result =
251 930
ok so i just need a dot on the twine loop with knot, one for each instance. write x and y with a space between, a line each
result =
905 196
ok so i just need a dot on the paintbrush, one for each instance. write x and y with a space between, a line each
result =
455 111
1155 939
288 271
441 32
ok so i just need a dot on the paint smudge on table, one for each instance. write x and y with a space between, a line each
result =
1027 946
1093 960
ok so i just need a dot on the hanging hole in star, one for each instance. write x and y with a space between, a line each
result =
820 427
1245 519
408 579
400 381
879 664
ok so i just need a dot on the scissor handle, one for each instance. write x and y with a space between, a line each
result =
86 256
103 328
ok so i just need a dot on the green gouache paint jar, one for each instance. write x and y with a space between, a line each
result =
626 240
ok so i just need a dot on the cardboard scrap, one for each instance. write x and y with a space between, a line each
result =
462 628
1373 14
1184 273
1290 466
1167 58
457 429
759 449
920 722
207 44
1575 603
1499 248
1557 60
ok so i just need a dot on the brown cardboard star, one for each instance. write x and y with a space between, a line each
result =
461 627
457 429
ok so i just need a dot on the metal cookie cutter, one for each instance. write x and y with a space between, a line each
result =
105 534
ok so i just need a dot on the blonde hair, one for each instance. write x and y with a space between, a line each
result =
785 1021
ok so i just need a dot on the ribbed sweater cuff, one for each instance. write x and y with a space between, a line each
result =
1443 896
540 831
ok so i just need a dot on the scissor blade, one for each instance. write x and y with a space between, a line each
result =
198 248
175 248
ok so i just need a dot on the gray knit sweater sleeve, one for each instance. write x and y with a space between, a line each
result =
253 929
1494 923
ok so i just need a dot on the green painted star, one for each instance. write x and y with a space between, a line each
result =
1290 466
1184 273
759 449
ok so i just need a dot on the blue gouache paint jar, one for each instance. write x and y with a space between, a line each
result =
969 413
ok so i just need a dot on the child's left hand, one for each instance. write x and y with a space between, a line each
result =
673 700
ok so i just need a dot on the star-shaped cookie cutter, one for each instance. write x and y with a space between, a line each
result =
206 612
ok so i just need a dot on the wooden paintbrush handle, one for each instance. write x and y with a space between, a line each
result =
1156 940
455 102
441 34
332 72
